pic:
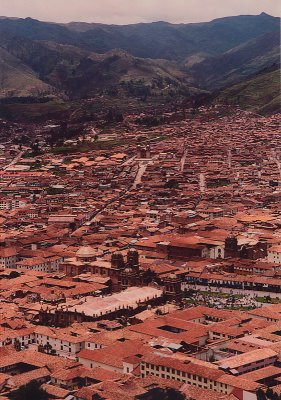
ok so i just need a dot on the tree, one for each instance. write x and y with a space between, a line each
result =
261 395
162 394
114 116
14 274
212 358
47 348
96 396
171 184
72 226
30 391
17 345
268 299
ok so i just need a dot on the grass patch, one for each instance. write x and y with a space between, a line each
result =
34 111
222 295
86 147
267 299
260 93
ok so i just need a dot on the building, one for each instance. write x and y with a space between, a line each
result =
122 274
8 257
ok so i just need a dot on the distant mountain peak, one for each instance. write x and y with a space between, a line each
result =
263 14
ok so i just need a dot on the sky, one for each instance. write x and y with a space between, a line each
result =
133 11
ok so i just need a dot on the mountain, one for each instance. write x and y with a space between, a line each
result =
149 40
18 80
80 60
44 68
116 73
237 63
177 41
260 93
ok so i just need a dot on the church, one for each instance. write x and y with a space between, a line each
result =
123 272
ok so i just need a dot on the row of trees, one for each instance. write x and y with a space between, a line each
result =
33 391
269 394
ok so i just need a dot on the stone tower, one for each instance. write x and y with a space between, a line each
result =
133 259
117 260
231 247
172 285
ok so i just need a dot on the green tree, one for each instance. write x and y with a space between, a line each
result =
47 348
162 394
261 395
14 274
72 226
30 391
171 184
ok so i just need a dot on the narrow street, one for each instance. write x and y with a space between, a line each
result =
141 170
244 292
182 161
276 160
128 162
202 185
15 160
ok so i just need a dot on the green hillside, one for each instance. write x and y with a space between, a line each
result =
18 80
260 93
238 63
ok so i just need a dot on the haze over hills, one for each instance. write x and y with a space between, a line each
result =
19 80
80 60
259 93
149 40
67 70
239 62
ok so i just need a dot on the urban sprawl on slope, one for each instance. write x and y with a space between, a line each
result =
142 259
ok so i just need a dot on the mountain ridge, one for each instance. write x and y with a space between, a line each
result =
259 93
151 40
142 60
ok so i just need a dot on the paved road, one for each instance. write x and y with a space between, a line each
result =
276 160
15 160
128 162
182 161
202 185
250 293
229 158
141 170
